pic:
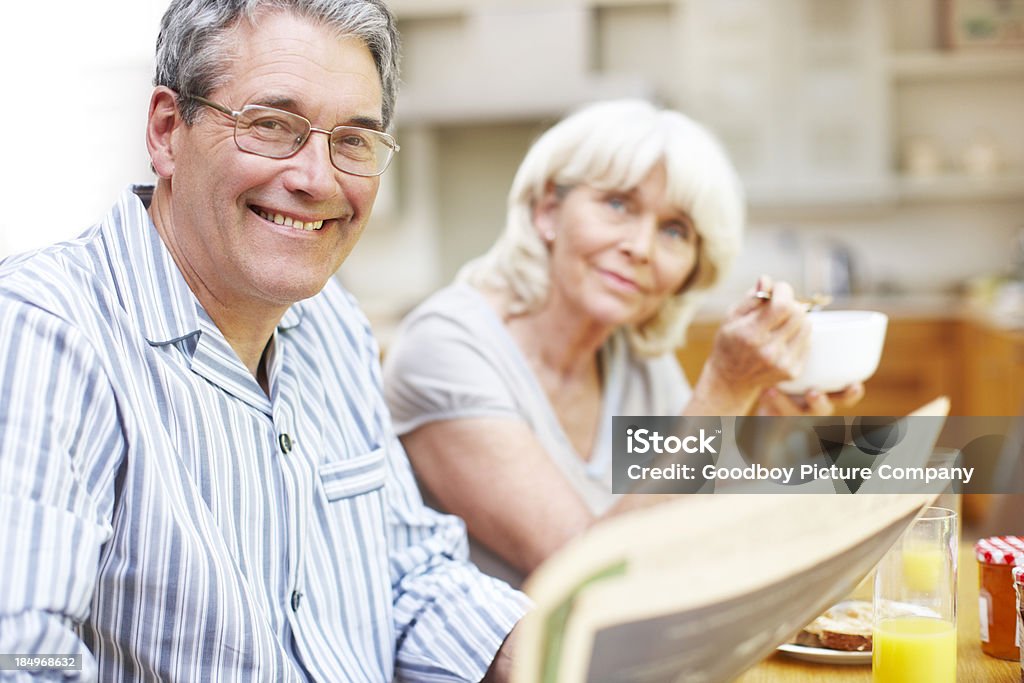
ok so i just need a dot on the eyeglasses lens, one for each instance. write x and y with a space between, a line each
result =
279 134
359 151
270 132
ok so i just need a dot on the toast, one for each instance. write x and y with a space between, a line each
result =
846 626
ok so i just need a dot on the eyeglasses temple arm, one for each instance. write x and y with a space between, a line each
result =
213 105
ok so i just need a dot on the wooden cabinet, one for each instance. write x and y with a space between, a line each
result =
920 361
993 370
980 368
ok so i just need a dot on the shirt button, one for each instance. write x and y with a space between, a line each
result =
285 442
296 599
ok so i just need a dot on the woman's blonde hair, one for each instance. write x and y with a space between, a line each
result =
615 145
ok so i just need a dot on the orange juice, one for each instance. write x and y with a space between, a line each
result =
914 650
922 568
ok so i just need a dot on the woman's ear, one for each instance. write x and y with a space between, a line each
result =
700 274
164 120
545 210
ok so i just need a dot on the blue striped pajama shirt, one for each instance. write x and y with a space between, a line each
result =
165 518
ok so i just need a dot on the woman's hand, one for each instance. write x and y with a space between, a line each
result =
761 343
775 402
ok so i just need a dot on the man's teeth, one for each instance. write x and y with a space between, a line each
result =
290 222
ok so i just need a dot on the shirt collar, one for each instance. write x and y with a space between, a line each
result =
154 290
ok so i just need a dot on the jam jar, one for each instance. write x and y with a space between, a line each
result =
1018 584
997 601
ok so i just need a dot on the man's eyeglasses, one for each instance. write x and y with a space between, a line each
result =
278 134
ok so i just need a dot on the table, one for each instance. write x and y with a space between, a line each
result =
973 665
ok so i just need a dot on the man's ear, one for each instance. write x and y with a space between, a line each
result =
164 120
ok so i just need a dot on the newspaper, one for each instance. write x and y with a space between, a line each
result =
699 589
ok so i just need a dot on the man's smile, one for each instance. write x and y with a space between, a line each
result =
288 221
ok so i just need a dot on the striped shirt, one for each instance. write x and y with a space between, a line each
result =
165 518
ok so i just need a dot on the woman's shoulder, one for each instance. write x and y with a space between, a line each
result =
447 301
446 328
449 360
457 307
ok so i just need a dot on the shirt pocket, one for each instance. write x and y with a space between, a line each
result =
354 476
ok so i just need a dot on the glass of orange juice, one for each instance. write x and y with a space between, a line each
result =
914 637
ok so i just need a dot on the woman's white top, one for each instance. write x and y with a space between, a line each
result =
453 358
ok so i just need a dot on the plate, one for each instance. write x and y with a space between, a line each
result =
820 655
823 655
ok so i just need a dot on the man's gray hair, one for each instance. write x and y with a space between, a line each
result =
193 49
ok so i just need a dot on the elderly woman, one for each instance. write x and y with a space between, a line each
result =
504 384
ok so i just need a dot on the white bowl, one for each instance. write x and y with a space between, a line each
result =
845 348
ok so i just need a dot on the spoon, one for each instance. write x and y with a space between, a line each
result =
816 301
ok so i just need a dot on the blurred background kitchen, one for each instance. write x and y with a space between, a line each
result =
881 143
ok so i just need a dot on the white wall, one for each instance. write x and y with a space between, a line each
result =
75 79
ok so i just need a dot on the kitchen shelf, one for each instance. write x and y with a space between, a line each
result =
494 103
935 65
768 199
819 194
816 102
954 187
418 9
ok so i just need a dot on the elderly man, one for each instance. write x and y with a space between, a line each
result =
198 478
